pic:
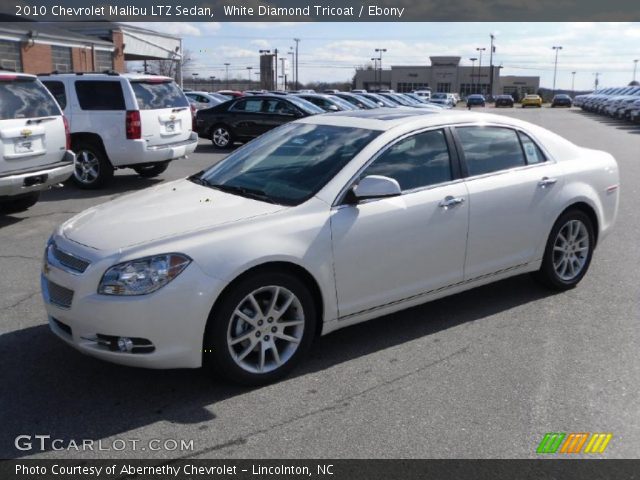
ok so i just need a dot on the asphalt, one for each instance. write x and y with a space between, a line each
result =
483 374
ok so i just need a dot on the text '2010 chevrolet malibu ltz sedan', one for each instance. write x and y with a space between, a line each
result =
319 224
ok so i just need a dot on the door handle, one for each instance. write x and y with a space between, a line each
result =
450 202
547 182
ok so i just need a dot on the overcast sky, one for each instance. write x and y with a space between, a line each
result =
330 51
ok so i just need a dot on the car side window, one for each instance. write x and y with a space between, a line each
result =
490 149
414 162
531 151
100 95
249 106
279 107
58 92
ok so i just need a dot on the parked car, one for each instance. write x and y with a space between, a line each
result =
561 100
133 121
445 99
331 91
231 93
358 90
531 101
35 151
323 223
203 99
476 100
357 100
249 117
425 93
378 99
504 101
328 103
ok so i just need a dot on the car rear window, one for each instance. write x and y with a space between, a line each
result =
100 95
155 95
25 98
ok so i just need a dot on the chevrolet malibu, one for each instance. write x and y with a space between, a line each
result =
322 223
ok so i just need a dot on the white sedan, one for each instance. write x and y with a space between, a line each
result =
322 223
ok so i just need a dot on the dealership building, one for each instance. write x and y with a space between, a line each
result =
37 47
445 74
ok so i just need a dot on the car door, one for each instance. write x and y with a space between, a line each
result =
513 190
245 117
391 249
276 112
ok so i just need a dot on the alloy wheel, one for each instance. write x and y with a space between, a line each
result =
266 329
571 250
221 137
87 167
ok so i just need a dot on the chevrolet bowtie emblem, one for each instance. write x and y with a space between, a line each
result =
25 132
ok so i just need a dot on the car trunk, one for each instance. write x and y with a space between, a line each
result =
32 130
165 114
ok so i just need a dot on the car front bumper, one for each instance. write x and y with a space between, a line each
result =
35 180
170 322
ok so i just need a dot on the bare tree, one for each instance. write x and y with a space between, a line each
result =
168 68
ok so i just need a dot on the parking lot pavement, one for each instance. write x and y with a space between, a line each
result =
482 374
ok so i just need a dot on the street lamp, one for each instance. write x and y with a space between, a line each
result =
297 79
635 68
573 83
249 71
555 67
491 52
597 81
473 66
379 51
213 78
227 68
375 70
480 49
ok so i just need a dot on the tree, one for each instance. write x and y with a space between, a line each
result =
168 68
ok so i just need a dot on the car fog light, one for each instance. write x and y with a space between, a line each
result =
125 344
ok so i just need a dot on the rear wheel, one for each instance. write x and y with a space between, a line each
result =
261 329
92 168
221 136
19 203
568 252
151 170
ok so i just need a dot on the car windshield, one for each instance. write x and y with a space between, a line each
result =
439 96
152 95
304 105
288 165
25 98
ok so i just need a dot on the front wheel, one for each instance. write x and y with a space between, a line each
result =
221 136
261 329
568 252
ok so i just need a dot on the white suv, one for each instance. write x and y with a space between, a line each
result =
34 142
123 121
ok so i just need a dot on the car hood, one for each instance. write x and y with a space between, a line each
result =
164 211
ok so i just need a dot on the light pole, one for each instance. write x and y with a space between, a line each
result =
555 67
227 67
375 70
491 52
597 81
212 78
480 49
297 79
635 68
195 77
573 83
249 71
293 65
284 73
473 67
379 51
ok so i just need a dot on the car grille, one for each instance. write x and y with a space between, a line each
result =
59 295
70 261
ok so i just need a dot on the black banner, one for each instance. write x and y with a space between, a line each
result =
324 469
322 11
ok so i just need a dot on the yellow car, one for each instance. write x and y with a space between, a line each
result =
532 101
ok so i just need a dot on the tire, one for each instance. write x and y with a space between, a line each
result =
553 273
262 334
93 170
222 137
19 203
151 170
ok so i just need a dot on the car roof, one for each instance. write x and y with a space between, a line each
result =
8 73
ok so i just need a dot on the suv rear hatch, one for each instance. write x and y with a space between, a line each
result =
32 131
165 113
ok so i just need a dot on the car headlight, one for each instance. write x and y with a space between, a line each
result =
144 275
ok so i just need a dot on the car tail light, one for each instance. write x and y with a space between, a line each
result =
193 116
67 132
133 125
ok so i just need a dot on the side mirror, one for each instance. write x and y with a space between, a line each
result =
375 186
